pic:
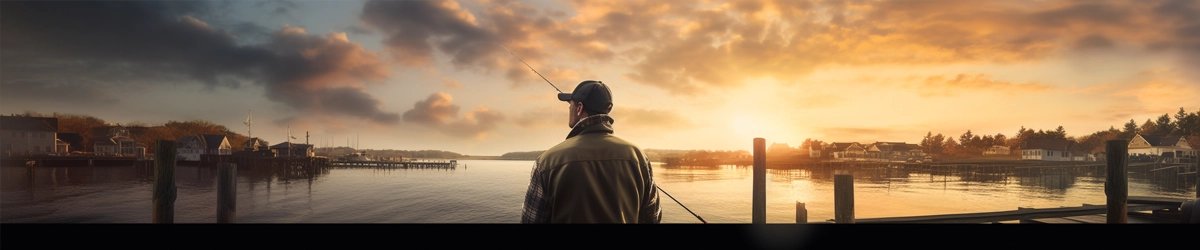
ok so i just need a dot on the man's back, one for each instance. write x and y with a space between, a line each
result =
593 177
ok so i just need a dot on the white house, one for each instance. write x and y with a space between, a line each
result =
117 141
894 151
847 150
190 148
1158 145
1047 149
28 135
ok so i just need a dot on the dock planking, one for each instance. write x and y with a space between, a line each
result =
1138 205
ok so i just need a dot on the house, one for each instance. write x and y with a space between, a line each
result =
28 135
190 148
1160 145
997 150
289 149
255 144
847 150
116 141
1047 149
814 151
894 151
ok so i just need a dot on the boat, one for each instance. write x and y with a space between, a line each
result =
356 156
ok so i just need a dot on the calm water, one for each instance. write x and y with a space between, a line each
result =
493 192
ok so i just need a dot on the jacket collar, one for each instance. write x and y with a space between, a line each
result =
601 123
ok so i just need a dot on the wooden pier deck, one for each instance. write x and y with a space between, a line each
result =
396 164
1141 210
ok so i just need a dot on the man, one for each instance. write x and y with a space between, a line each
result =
592 176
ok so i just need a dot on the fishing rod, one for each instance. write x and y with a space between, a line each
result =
560 91
530 67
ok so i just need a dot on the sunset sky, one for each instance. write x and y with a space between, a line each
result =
687 74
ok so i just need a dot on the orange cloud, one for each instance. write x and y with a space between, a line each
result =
439 111
938 85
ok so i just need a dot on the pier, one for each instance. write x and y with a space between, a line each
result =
1120 208
452 164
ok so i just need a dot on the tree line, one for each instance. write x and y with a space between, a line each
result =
146 134
1182 124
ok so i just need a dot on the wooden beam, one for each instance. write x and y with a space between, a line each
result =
759 213
1020 214
164 182
1116 185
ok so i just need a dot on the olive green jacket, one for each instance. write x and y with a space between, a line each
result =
592 177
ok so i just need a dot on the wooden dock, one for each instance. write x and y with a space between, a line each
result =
396 164
1141 209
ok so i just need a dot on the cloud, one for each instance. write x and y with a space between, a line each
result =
476 124
451 83
323 75
715 48
942 86
435 110
439 111
643 118
543 118
414 29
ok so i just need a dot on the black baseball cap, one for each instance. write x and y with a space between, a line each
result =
594 95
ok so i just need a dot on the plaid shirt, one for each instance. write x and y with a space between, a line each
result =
538 206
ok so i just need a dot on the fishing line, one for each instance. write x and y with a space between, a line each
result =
560 91
681 205
530 67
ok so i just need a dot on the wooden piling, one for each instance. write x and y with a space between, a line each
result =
226 193
164 182
1116 186
843 198
760 181
801 213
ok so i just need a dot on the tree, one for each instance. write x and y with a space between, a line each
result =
965 138
1163 126
82 125
1148 128
1187 123
999 139
1131 128
950 147
1060 133
938 142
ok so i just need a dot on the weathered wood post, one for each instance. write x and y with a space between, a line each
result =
226 193
760 181
1116 186
164 181
843 198
801 213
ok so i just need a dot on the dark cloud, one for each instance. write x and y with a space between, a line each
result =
164 39
1093 42
414 29
439 111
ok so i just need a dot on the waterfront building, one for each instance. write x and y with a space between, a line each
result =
28 135
190 148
